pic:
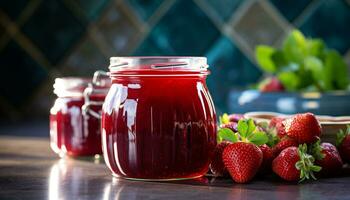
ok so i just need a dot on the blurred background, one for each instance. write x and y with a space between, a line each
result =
44 39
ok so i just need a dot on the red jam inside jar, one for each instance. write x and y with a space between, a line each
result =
158 119
74 131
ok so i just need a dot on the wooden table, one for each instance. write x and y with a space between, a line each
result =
29 170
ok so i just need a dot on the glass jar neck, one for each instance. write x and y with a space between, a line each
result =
79 87
70 86
158 66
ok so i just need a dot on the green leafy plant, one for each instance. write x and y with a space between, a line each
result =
247 132
304 64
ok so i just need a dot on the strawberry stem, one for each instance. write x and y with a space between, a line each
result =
341 135
316 150
306 164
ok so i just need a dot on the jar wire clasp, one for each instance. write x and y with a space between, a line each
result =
97 81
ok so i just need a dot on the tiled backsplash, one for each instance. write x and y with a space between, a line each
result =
44 39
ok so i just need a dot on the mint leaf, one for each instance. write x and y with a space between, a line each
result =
304 64
263 56
227 134
258 138
279 59
315 47
337 70
316 67
290 80
242 128
294 46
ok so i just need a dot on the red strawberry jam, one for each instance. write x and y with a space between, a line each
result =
158 118
72 131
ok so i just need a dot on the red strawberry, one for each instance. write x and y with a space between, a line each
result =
217 166
235 117
268 156
293 163
343 144
271 84
283 144
303 128
327 157
277 122
242 160
230 125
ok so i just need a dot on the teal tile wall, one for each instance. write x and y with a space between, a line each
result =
41 40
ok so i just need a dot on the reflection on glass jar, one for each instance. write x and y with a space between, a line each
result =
158 118
73 131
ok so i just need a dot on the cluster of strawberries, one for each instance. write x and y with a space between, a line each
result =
290 147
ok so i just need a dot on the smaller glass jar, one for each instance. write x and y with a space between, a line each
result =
75 116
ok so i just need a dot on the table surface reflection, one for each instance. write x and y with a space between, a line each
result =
29 170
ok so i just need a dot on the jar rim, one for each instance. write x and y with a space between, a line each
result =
158 65
71 86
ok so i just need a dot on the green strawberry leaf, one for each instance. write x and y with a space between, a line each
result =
246 127
272 136
227 134
306 164
258 138
263 56
263 124
242 128
251 126
316 150
341 135
315 168
224 119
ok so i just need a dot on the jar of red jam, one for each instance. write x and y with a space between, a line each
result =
158 119
75 127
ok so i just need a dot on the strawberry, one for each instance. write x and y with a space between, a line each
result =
217 166
235 117
230 125
293 164
268 156
242 160
270 132
225 118
343 144
327 157
277 122
303 128
271 84
283 144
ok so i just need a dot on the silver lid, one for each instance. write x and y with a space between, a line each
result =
158 63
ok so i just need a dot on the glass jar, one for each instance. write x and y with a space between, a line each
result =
158 119
75 117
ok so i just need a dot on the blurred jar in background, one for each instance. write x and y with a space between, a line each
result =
75 116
